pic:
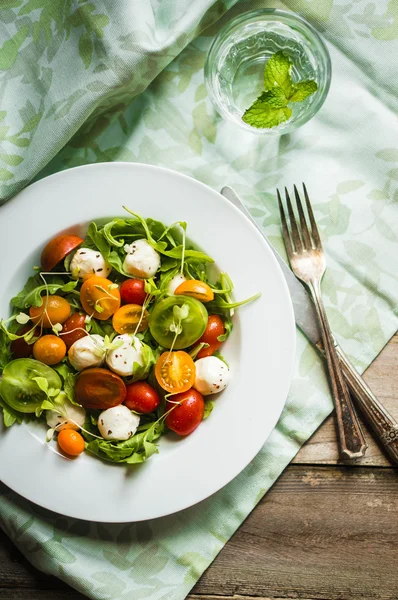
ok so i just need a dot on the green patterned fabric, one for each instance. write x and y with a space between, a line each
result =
85 82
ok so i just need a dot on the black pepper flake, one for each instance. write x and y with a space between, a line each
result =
58 424
81 253
98 270
109 431
97 256
125 362
102 421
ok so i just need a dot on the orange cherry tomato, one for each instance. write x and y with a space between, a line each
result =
74 329
71 442
127 317
214 328
54 309
99 297
57 249
185 417
195 289
175 371
49 349
99 388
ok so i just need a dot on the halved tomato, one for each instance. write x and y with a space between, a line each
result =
100 297
127 317
175 371
57 249
99 388
195 289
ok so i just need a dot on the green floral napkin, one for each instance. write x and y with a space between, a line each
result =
74 90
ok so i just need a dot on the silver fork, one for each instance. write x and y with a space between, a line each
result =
307 260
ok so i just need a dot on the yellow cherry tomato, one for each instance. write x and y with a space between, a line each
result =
175 371
99 297
127 317
195 289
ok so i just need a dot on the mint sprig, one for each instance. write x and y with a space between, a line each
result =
271 107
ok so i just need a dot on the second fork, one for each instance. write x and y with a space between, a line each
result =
307 260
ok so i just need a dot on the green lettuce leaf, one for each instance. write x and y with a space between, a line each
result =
31 295
10 416
136 450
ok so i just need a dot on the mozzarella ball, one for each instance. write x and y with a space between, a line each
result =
174 283
86 263
69 417
141 259
212 375
89 351
118 423
121 360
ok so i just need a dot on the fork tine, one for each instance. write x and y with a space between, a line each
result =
303 222
285 230
314 228
295 232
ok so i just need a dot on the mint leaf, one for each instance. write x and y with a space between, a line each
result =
275 98
302 90
262 115
277 73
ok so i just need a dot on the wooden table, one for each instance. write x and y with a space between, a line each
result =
325 531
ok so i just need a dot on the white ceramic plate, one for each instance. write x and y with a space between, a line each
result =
260 350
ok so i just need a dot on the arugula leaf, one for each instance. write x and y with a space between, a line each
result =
69 380
303 89
31 293
228 329
262 115
209 405
135 450
101 328
218 354
10 416
5 350
278 73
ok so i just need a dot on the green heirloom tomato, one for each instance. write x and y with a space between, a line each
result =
19 390
164 320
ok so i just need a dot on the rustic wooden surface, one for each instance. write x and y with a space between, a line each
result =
325 531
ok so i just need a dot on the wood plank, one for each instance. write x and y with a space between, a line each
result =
382 378
321 533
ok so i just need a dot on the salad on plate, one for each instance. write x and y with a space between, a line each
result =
115 340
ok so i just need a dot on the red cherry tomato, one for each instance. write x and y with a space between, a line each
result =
141 397
72 329
132 291
57 249
185 417
214 328
20 348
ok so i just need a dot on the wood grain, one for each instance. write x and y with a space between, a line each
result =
382 378
320 533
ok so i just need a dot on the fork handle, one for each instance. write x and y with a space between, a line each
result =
352 441
382 423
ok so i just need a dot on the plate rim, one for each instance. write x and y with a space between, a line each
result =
11 205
